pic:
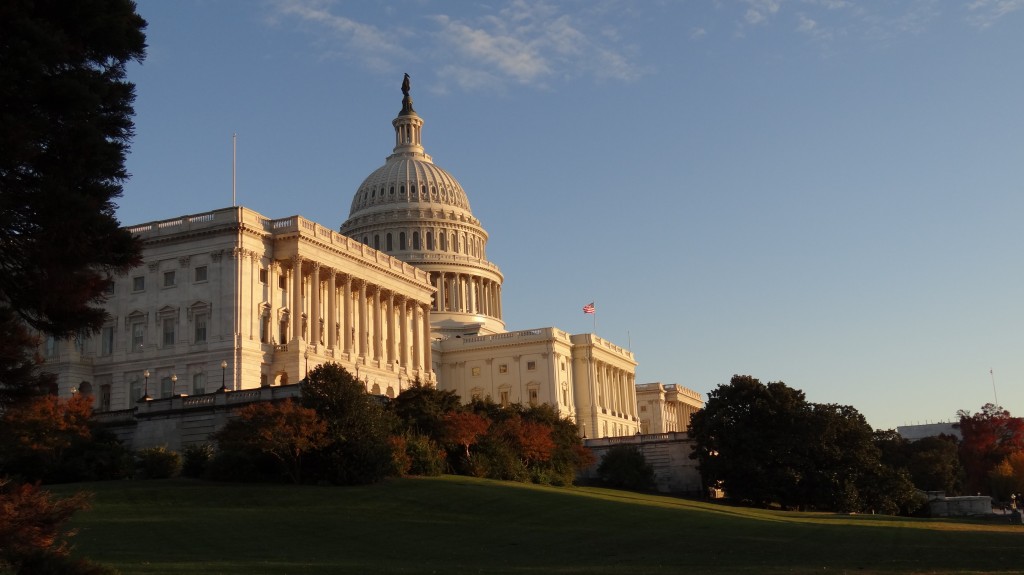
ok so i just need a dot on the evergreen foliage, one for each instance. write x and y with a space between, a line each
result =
156 463
767 445
358 448
625 467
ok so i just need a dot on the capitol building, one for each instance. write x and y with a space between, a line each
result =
232 301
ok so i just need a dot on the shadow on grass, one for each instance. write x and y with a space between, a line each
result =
464 525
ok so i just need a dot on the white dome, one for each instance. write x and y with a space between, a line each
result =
408 182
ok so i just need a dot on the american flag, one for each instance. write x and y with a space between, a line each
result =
589 308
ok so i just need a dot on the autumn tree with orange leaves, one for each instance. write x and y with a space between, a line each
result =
989 436
464 429
285 431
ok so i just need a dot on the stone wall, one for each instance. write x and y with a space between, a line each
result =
178 422
668 453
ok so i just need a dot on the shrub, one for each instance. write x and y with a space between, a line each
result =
425 456
196 459
156 463
625 467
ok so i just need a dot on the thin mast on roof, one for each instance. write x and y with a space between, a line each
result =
234 161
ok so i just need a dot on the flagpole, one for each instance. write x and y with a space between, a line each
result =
234 161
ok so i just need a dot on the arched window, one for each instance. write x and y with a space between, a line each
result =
444 241
401 191
401 241
430 240
455 242
376 241
415 240
392 189
389 247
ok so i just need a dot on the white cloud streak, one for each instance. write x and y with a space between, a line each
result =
986 13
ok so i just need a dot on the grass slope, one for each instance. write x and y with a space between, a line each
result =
464 525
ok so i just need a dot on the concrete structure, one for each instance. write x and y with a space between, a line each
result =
972 505
238 300
666 408
922 430
667 453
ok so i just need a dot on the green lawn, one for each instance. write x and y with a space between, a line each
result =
463 525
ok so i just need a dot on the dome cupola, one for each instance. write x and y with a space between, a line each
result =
416 211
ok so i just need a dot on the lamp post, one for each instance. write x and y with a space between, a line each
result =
174 381
307 364
145 389
223 375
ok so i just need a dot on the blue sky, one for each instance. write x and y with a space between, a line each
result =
827 193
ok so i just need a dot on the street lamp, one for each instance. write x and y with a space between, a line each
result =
307 362
223 372
145 390
174 382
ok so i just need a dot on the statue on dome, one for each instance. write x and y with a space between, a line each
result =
405 85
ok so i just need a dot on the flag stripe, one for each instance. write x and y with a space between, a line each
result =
589 308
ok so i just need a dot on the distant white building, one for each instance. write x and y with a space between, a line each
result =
922 430
666 408
403 291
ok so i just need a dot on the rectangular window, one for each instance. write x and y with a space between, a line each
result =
265 329
282 282
531 365
109 288
169 279
138 336
166 387
198 384
263 276
138 283
476 371
200 324
504 398
168 324
503 368
50 346
105 398
534 395
107 340
200 274
135 389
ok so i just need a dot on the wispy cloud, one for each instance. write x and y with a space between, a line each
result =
532 43
759 11
527 42
373 47
985 13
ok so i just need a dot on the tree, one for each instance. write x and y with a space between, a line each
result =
284 430
749 435
54 440
464 429
768 445
65 108
625 467
423 408
1008 477
33 538
359 449
989 436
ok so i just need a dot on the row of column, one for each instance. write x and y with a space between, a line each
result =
362 319
466 293
616 391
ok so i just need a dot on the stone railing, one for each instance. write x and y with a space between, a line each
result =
240 215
